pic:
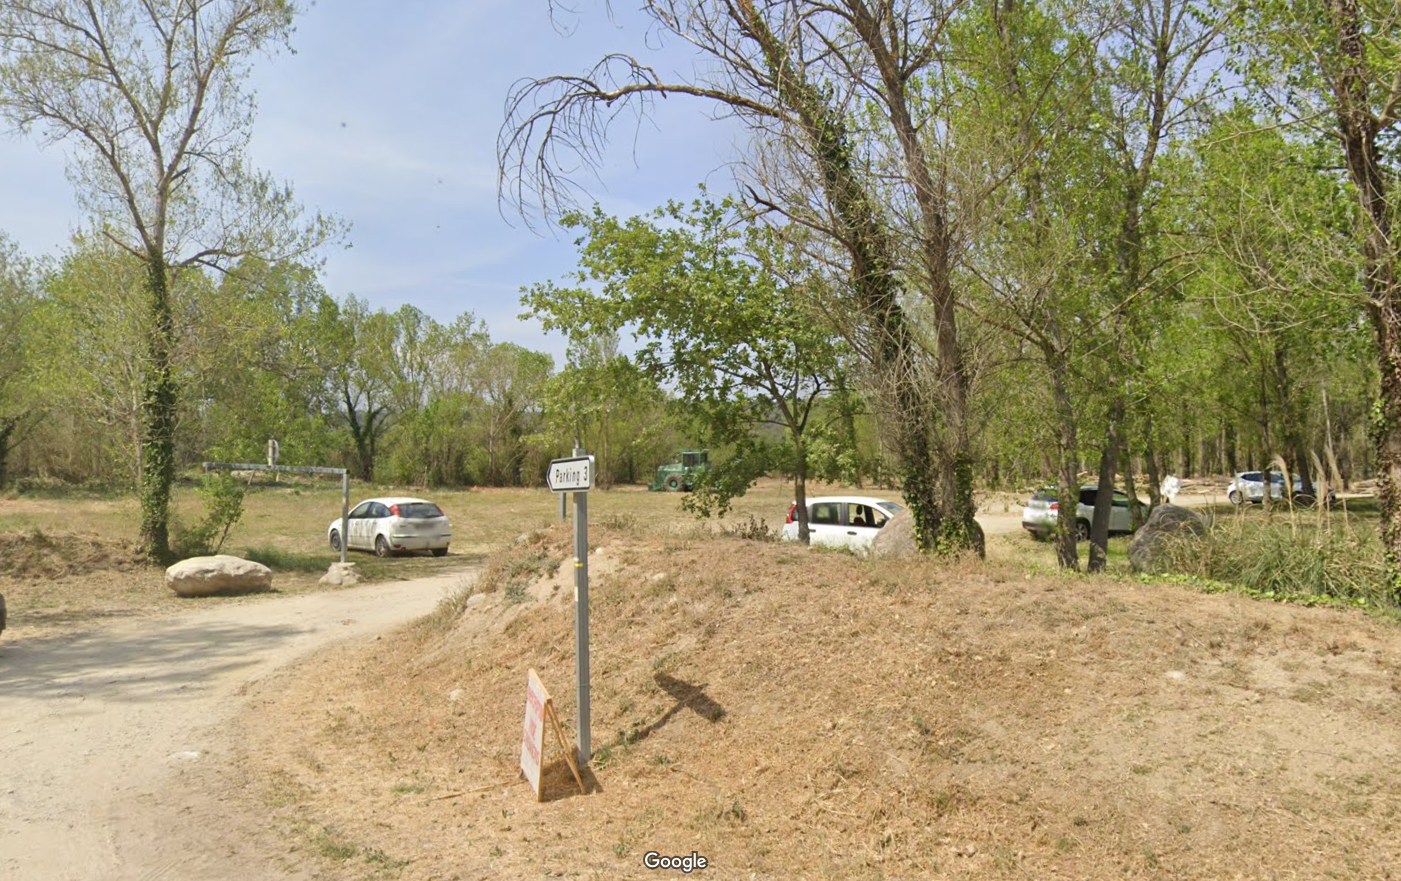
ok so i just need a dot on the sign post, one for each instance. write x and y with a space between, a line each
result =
575 476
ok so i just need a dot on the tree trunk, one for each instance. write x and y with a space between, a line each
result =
1150 461
936 465
158 402
1067 552
7 430
1130 487
800 492
954 528
1104 498
847 408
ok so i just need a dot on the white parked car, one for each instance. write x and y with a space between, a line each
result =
842 521
390 525
1042 512
1249 486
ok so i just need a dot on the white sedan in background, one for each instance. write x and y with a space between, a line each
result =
389 525
842 521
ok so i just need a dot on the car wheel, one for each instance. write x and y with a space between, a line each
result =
440 552
1235 497
335 540
1082 530
673 483
381 546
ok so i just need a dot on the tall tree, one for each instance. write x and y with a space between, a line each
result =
602 399
1031 89
1278 284
720 311
19 400
509 381
802 75
1155 66
152 96
1333 68
364 377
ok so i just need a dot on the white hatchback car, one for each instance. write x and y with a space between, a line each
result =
842 521
389 525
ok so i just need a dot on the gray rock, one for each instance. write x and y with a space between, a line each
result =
897 538
1167 527
341 575
223 573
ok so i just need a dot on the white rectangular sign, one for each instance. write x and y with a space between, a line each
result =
533 736
571 475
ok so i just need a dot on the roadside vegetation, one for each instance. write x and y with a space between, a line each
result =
1052 262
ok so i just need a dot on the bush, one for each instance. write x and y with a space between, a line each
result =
753 530
1295 557
222 495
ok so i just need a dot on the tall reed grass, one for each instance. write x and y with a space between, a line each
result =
1290 552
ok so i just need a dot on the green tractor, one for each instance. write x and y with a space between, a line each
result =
681 476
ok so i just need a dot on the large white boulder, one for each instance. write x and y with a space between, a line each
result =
223 573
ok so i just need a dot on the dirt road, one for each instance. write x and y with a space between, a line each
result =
115 742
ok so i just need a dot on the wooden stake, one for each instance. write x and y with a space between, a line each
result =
568 755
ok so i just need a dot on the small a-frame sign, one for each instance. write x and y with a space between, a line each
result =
538 707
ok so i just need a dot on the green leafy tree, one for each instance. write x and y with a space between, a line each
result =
510 381
94 325
1332 69
1027 136
152 98
435 436
831 93
20 402
717 306
1279 265
273 316
364 378
615 409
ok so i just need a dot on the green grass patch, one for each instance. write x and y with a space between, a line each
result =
282 560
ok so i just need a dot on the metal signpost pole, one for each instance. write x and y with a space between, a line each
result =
345 512
581 613
563 510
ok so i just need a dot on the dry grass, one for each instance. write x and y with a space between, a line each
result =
68 562
789 713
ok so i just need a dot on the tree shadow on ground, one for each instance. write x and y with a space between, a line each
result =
688 697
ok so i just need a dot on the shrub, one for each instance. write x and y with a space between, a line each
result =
1299 556
222 495
753 530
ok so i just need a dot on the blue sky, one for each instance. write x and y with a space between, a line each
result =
387 116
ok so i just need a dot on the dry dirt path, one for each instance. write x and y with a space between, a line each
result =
115 742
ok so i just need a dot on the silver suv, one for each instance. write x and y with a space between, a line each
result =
1249 486
1041 514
